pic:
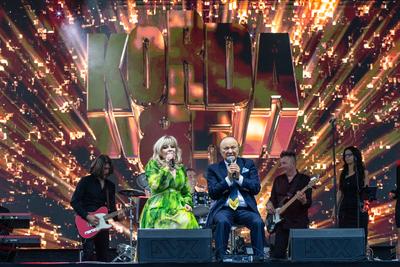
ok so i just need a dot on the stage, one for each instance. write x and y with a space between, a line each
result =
317 79
269 263
70 257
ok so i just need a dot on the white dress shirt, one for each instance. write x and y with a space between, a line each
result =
242 203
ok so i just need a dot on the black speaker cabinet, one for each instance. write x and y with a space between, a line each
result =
327 244
174 245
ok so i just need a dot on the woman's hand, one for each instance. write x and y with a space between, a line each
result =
170 160
188 207
366 206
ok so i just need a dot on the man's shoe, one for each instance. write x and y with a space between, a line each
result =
258 258
219 258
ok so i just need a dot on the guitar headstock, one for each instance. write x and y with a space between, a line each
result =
313 181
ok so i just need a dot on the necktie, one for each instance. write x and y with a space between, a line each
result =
233 201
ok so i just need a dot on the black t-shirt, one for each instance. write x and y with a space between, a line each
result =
89 196
296 215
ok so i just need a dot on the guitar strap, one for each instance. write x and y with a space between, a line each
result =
292 188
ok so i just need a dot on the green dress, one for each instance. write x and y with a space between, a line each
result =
165 209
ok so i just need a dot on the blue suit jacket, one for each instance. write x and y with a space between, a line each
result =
218 188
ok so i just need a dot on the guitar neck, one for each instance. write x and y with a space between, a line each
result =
113 214
293 199
110 215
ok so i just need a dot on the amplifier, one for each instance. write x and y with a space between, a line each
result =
327 244
174 245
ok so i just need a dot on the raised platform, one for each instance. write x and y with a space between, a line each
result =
267 263
70 257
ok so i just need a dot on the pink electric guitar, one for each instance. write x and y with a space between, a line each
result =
86 230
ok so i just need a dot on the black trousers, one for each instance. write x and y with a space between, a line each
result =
348 219
279 250
99 244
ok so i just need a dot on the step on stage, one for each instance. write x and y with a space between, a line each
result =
266 263
70 257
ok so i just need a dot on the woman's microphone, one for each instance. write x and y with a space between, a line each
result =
172 163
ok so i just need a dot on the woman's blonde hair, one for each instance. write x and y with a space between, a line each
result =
166 140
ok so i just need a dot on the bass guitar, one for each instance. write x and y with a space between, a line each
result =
275 218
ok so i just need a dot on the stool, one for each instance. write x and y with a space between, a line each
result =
233 245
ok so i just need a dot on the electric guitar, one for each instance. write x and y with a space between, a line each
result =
87 230
275 218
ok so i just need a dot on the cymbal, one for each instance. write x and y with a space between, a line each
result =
141 181
130 192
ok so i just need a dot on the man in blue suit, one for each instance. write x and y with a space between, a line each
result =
233 183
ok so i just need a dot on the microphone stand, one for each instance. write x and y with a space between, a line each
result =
358 191
332 121
359 203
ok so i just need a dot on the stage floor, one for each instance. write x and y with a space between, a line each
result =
266 263
70 257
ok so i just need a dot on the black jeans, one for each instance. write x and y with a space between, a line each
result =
281 242
98 243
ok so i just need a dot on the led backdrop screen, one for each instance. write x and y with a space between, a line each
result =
80 78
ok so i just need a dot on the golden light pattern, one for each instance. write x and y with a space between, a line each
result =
346 56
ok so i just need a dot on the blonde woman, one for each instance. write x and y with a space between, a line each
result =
170 204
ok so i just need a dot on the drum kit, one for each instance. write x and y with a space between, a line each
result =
127 253
201 207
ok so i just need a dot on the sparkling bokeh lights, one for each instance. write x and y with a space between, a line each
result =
346 58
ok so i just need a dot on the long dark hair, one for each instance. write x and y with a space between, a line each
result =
359 167
96 168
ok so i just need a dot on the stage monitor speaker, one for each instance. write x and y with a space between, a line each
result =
327 244
174 245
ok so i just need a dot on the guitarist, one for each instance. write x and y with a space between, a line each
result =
91 193
286 186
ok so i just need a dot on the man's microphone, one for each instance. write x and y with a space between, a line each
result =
230 160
